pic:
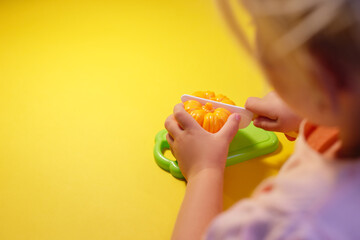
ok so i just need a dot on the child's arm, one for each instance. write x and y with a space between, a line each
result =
201 157
273 114
202 203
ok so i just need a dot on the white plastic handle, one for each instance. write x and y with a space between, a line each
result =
246 115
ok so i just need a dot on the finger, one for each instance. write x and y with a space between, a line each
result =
231 127
266 124
183 118
260 107
172 126
169 139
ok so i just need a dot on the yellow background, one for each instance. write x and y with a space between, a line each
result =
84 88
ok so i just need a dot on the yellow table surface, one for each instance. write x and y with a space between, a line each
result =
84 88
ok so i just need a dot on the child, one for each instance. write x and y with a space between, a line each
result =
310 53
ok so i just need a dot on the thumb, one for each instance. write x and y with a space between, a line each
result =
229 130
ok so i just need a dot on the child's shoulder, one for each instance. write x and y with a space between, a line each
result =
313 172
313 195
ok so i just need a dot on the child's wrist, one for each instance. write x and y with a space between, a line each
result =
207 173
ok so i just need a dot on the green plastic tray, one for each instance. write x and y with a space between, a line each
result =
248 143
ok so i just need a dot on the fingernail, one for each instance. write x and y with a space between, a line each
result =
237 116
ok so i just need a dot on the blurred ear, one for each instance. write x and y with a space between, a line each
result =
330 77
335 65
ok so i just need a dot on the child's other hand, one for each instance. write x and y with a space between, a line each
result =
195 149
273 114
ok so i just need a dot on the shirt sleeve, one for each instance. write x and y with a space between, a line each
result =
246 220
259 219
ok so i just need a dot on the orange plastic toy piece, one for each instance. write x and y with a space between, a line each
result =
211 119
211 95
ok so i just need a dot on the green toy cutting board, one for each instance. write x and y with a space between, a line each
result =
248 143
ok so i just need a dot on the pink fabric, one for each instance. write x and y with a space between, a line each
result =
312 197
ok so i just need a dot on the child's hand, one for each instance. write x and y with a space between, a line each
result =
195 149
273 114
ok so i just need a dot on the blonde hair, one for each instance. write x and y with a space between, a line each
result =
330 27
